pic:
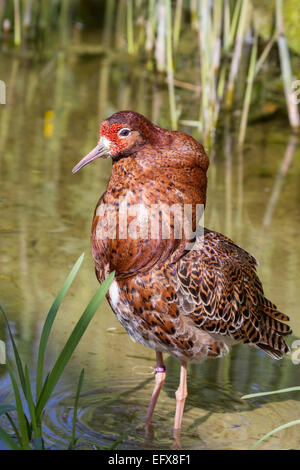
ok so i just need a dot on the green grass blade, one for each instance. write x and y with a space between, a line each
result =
73 440
16 353
8 440
279 428
29 428
20 411
118 441
16 431
49 322
71 344
45 382
262 394
39 418
30 403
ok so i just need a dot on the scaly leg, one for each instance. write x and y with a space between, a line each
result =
181 395
159 381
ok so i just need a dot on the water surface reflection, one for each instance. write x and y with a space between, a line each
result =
51 120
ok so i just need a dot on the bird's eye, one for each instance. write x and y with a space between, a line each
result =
124 132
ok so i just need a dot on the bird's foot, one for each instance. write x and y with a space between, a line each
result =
176 440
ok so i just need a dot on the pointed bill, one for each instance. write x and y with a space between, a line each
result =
99 151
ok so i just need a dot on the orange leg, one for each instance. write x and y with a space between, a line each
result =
159 381
181 395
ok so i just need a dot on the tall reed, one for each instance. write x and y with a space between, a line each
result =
220 27
167 33
17 22
286 69
248 93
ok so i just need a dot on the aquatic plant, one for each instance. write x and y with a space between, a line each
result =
278 428
226 34
220 43
29 404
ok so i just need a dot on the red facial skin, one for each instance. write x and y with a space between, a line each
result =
117 144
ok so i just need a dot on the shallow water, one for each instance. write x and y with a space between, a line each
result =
50 121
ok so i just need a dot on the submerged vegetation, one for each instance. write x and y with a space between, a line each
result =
216 49
29 404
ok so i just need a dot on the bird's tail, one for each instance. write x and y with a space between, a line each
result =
273 331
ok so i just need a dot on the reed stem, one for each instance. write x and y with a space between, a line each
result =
170 67
177 23
108 22
130 36
17 18
248 92
265 53
160 45
150 26
239 40
286 69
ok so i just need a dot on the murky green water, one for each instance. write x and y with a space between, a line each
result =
50 121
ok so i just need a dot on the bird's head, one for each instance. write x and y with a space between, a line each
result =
121 135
